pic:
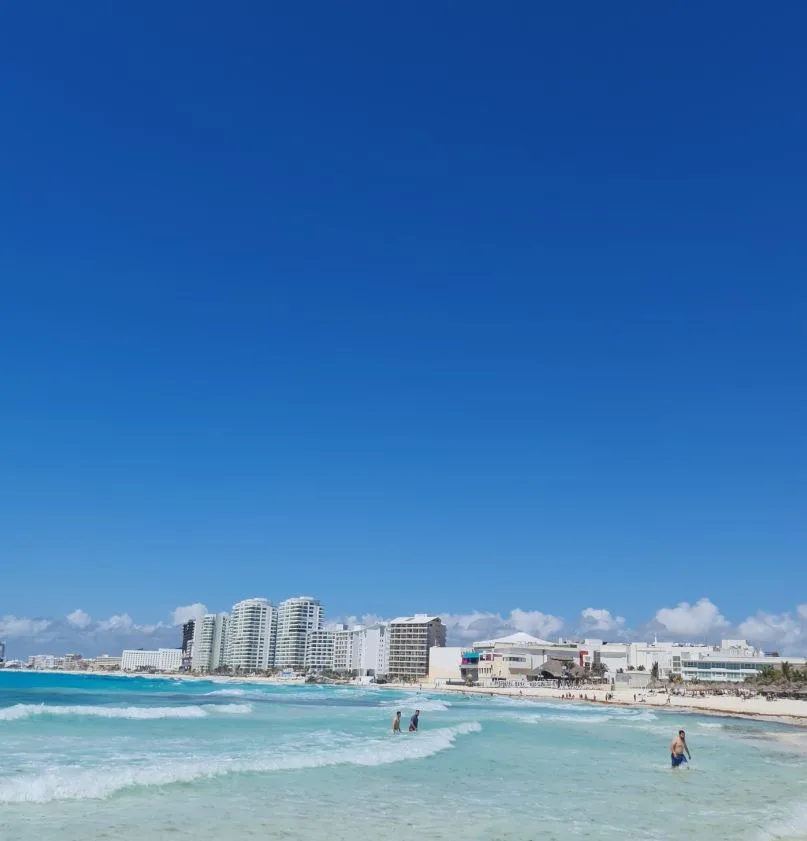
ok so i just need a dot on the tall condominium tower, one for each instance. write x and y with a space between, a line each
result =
251 636
297 617
209 638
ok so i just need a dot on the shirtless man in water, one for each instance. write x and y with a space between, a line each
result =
677 749
396 722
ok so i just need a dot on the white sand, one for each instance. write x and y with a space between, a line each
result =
791 712
794 712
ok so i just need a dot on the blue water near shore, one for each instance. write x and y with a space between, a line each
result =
137 759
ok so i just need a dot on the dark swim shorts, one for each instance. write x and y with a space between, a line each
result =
678 760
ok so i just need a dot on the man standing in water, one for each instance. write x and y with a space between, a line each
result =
677 749
413 722
396 722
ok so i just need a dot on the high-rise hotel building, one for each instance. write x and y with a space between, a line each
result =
209 642
410 639
297 618
251 636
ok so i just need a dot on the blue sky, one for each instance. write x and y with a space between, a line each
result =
464 310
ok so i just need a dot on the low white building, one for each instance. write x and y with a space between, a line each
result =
719 667
444 663
105 662
161 660
43 661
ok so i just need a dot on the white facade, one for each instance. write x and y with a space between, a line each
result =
43 661
444 663
297 618
347 648
719 667
208 646
251 636
374 655
319 650
162 660
104 661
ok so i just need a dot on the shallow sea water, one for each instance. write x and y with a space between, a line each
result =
140 759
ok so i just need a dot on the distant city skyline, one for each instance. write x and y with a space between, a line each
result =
697 621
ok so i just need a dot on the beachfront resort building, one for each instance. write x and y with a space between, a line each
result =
521 657
188 629
411 637
209 642
105 663
374 654
361 651
319 650
251 635
161 660
347 648
719 667
297 618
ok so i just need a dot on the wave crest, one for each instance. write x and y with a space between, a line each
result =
99 783
22 711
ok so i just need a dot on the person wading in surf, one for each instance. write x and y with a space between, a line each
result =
678 748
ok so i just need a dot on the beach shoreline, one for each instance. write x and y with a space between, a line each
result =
783 711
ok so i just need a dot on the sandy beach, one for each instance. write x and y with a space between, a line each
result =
783 710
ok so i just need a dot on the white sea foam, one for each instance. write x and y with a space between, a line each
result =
71 784
237 693
793 825
586 716
422 704
21 711
711 725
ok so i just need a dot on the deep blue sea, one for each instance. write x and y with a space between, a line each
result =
140 759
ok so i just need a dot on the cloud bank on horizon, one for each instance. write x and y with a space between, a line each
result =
696 622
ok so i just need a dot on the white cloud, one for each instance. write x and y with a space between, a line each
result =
692 620
534 622
181 615
774 629
478 625
366 619
600 619
13 626
78 618
801 610
119 622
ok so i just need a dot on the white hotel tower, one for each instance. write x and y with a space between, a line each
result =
209 636
297 617
251 635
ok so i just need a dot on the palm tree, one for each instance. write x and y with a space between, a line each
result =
787 671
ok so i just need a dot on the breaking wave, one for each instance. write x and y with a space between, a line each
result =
99 783
22 711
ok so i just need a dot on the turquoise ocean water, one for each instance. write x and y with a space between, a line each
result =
136 759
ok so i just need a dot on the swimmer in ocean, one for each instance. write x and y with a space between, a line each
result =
414 721
678 748
396 722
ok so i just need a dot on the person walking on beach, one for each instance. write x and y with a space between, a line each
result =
396 722
414 721
677 749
